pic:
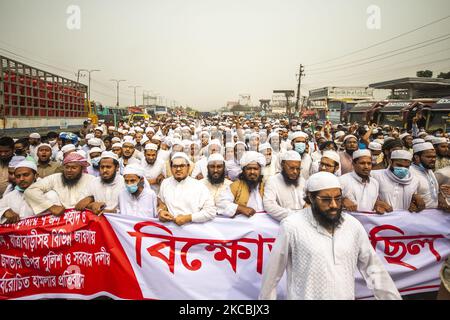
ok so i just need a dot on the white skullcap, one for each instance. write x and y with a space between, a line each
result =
214 142
438 140
139 129
350 136
333 155
151 146
149 129
115 139
89 136
229 145
252 156
111 128
35 135
120 130
380 141
361 153
95 149
215 157
422 147
374 131
428 138
134 168
99 128
130 141
321 181
156 137
416 141
401 154
375 146
82 153
291 156
117 145
404 135
265 146
339 134
254 135
299 134
44 145
68 147
422 133
26 164
108 154
15 161
180 155
95 142
177 142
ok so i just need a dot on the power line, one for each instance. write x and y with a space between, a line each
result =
379 43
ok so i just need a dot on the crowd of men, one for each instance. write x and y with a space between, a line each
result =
190 170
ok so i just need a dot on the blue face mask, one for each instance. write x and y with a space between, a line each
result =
132 188
19 189
300 147
95 162
401 172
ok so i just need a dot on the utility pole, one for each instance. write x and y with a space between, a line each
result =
300 75
89 86
117 82
134 93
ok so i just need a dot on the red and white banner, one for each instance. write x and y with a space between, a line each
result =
80 255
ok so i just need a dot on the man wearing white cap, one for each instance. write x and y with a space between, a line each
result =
299 143
359 189
271 161
329 162
103 193
321 248
284 192
200 169
34 140
350 144
407 140
94 156
127 158
98 132
377 155
245 195
154 168
11 178
137 199
215 180
183 199
398 187
422 168
45 165
441 147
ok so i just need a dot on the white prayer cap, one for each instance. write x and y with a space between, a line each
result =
108 154
380 141
291 156
428 138
89 136
26 164
215 157
134 168
95 149
240 142
117 145
68 147
339 134
416 141
44 145
115 139
361 153
214 142
299 134
265 146
35 135
333 155
120 130
149 129
438 140
157 137
374 131
404 135
128 140
82 153
186 142
95 142
422 147
252 156
350 136
112 128
422 133
375 146
151 146
180 155
321 181
99 128
401 154
254 135
15 161
229 145
132 131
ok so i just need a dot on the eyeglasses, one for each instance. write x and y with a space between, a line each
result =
326 165
328 200
179 166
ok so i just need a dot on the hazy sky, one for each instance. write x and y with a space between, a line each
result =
203 53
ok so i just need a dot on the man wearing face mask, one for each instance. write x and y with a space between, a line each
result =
21 147
45 165
398 187
299 144
321 248
422 169
94 156
137 199
441 147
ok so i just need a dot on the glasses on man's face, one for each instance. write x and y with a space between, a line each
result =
328 200
326 165
179 166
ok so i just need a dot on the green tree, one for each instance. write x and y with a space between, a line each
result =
424 74
444 75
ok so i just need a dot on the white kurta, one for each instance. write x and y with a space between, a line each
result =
107 193
428 186
364 194
15 201
216 189
272 169
227 207
201 166
143 206
189 196
321 266
153 171
233 169
281 200
68 197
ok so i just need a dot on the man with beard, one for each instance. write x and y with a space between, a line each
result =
329 162
103 192
6 154
34 140
21 147
70 186
11 169
200 168
244 196
284 192
321 248
407 140
127 155
215 180
183 199
422 169
117 149
441 147
350 145
154 168
45 166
